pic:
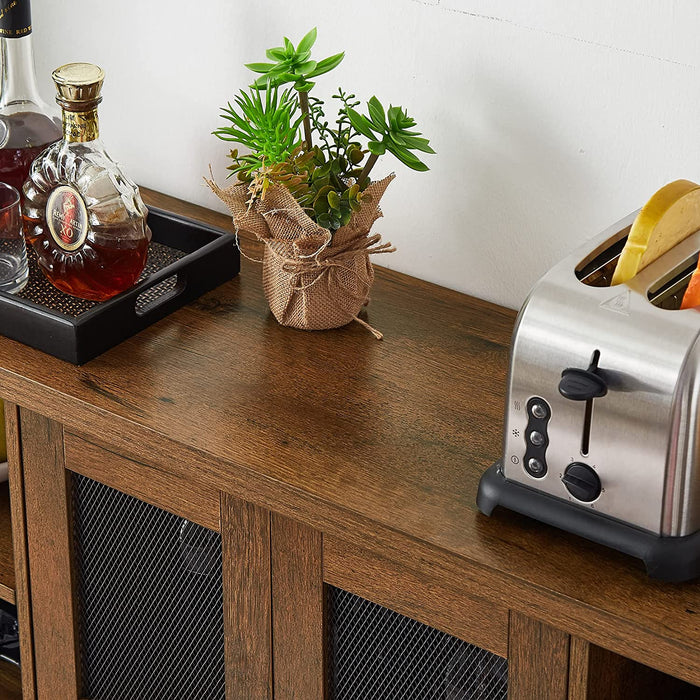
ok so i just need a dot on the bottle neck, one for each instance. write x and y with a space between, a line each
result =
80 127
17 77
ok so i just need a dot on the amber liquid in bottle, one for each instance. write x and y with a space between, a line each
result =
97 274
27 124
83 217
29 134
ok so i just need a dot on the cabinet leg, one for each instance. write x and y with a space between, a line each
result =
538 660
245 536
19 543
48 521
297 610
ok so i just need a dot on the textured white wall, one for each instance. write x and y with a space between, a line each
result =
551 119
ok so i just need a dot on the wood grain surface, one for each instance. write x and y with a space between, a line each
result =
245 535
10 682
538 660
598 674
7 564
49 543
297 610
416 594
186 498
21 556
380 444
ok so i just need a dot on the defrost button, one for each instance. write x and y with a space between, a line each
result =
536 438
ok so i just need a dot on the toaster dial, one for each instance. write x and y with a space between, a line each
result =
581 482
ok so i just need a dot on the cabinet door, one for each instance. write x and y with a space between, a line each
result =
143 585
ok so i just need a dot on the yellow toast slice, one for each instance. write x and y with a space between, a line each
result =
670 215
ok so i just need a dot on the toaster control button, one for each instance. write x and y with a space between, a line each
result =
536 438
581 482
536 467
581 385
539 410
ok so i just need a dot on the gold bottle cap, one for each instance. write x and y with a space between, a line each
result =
78 86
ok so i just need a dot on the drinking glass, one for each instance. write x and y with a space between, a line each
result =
14 270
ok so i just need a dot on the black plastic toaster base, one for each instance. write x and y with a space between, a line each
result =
672 559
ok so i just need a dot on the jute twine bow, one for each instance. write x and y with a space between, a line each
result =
312 280
322 269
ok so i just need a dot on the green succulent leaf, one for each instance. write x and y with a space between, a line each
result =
361 123
288 48
407 158
306 68
393 114
333 200
308 41
260 67
376 113
324 220
326 65
376 147
355 155
417 144
276 54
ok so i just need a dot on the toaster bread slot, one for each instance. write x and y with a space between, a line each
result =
667 293
597 268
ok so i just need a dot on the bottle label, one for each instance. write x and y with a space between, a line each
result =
67 217
15 18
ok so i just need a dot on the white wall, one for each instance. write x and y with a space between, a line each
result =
551 119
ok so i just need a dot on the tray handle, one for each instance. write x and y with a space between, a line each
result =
142 308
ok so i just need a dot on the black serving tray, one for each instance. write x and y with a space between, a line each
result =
186 258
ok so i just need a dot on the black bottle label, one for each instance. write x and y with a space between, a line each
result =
15 18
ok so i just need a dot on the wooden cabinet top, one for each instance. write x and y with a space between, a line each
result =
379 443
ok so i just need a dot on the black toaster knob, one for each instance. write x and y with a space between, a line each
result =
581 384
581 482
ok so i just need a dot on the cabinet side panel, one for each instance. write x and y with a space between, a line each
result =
538 660
245 532
19 541
297 610
49 547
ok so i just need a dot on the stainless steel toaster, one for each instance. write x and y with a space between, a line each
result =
602 422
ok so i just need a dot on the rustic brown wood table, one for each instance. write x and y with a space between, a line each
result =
325 459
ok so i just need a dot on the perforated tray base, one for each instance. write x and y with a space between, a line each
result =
40 291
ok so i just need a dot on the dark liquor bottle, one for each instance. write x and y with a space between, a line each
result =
82 215
27 124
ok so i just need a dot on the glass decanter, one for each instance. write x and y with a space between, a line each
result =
84 218
27 123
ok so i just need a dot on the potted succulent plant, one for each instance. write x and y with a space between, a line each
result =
304 186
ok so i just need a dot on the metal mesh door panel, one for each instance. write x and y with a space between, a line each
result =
150 600
377 654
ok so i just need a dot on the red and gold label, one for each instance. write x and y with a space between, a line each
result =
67 218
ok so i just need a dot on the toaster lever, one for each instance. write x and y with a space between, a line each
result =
582 384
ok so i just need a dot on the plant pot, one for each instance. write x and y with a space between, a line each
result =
312 280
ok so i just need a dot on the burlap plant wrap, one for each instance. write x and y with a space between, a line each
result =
310 281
